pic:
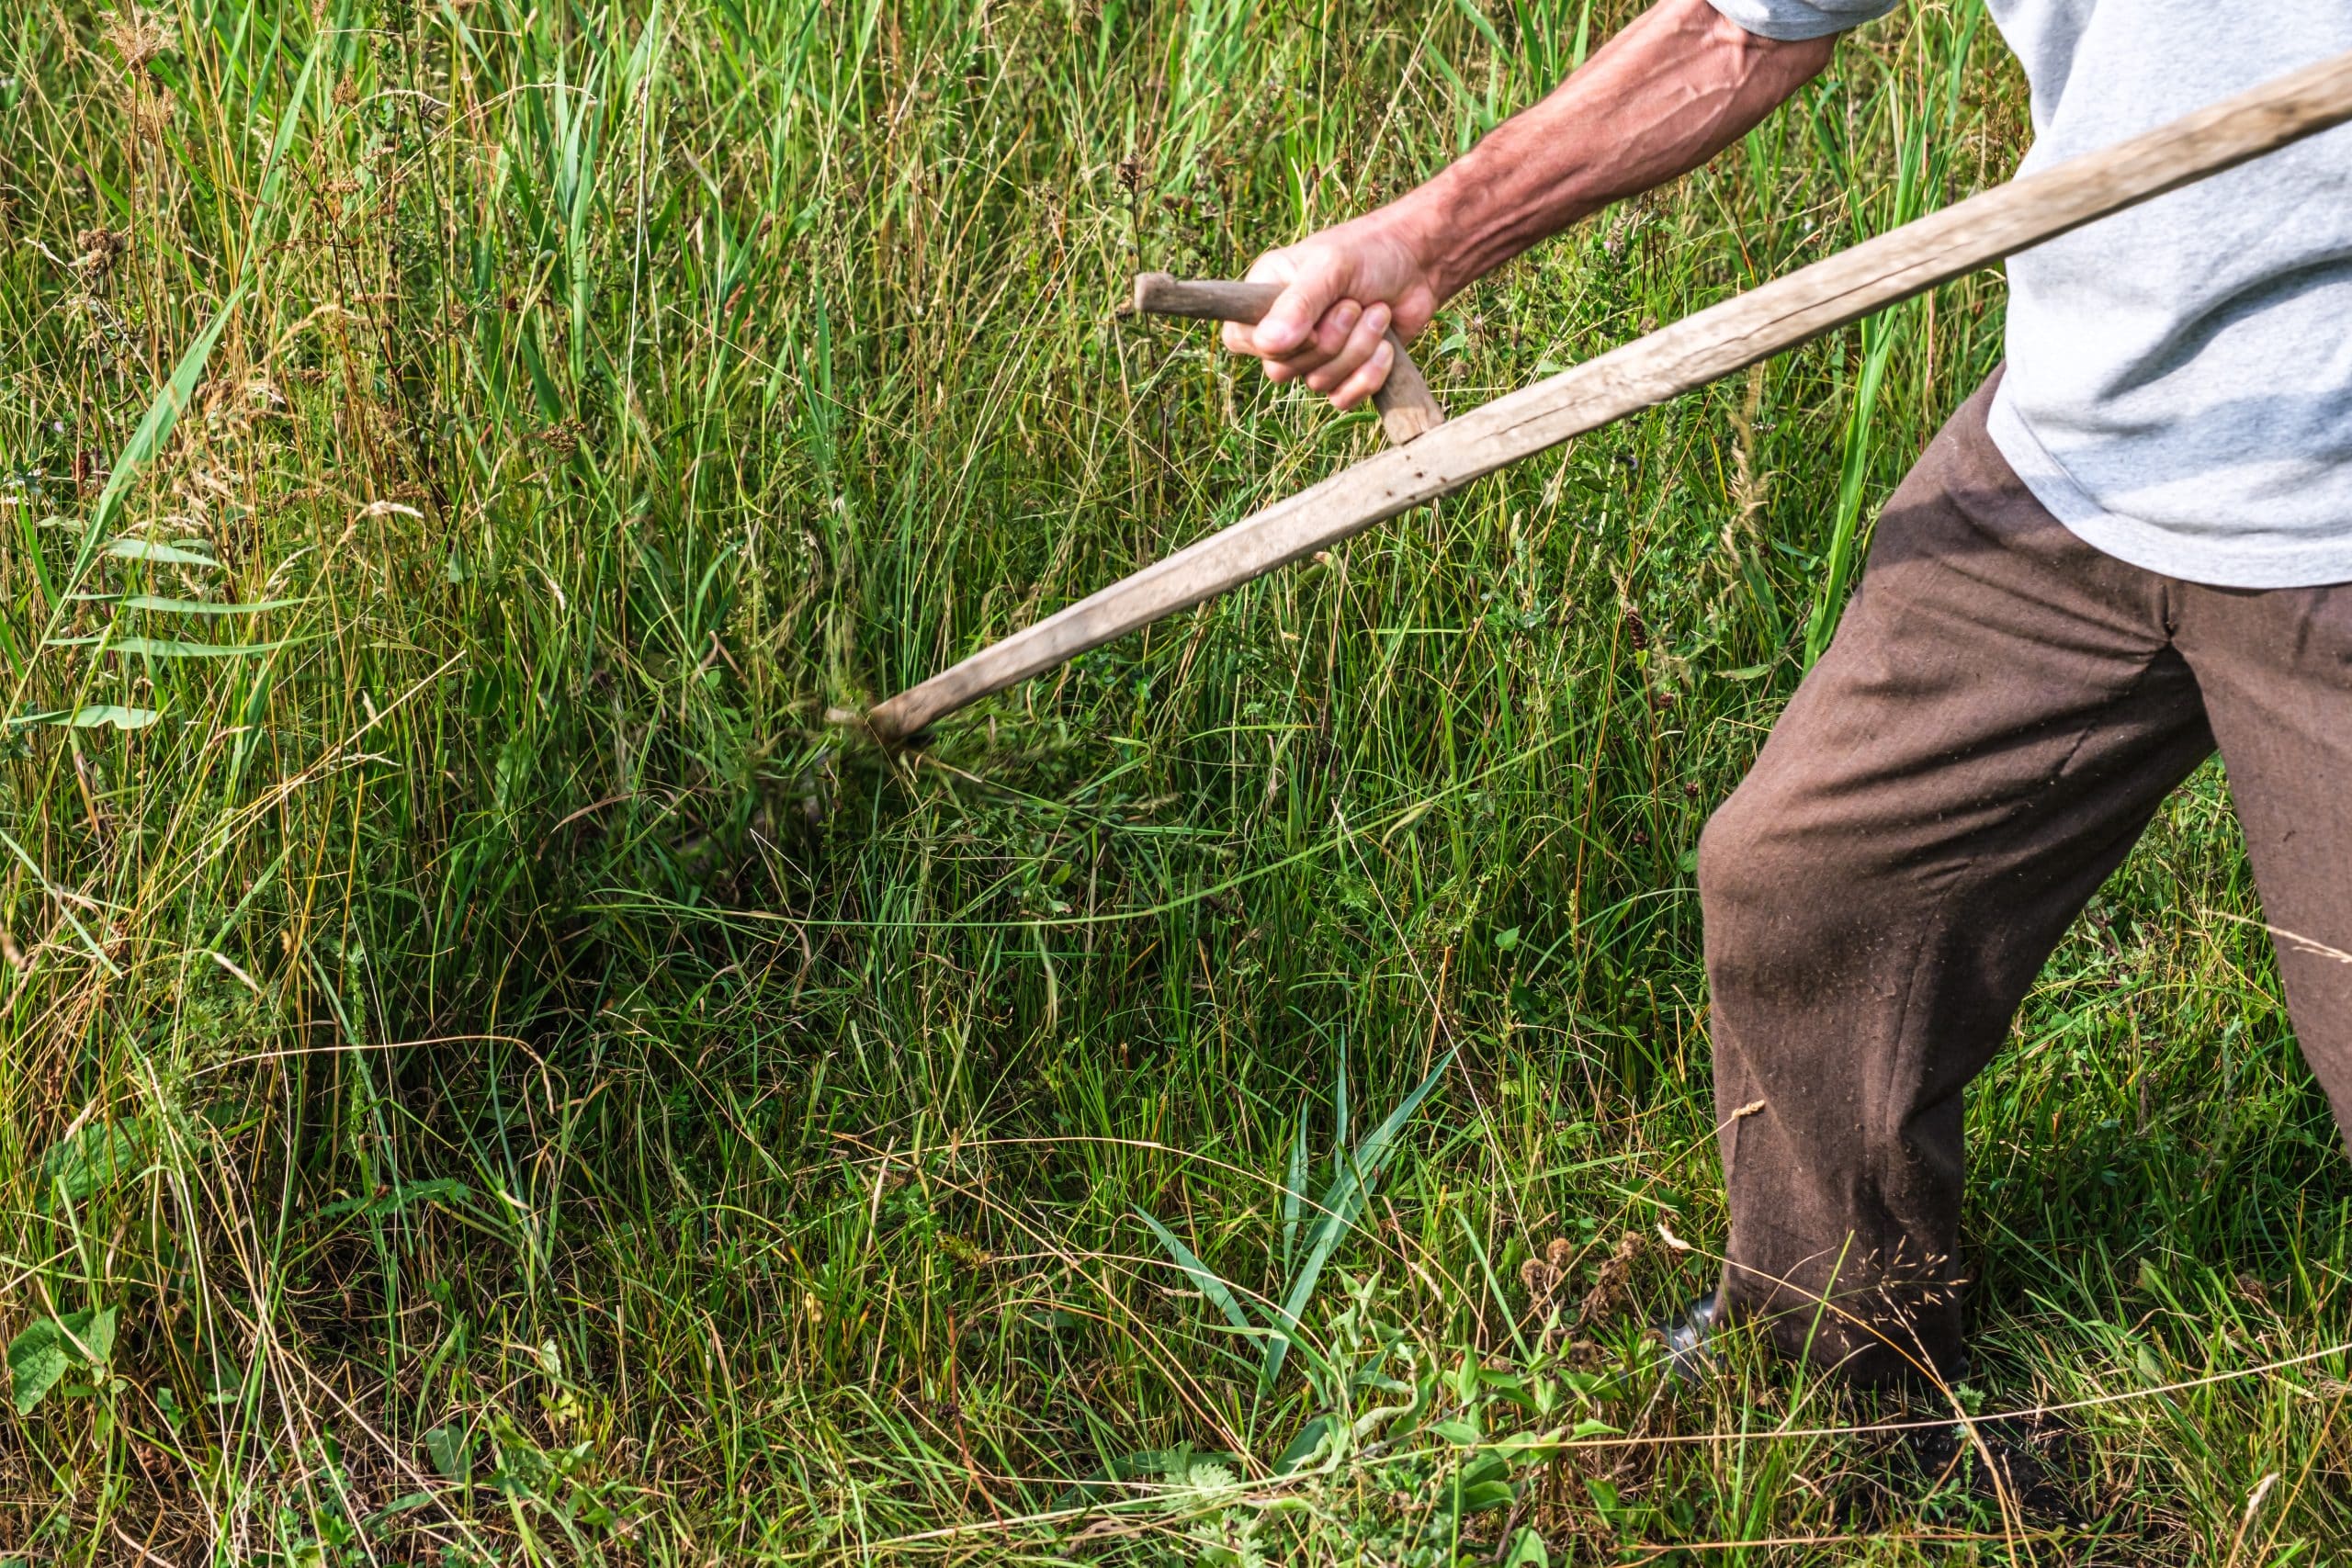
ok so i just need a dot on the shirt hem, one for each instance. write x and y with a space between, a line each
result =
2147 546
1781 23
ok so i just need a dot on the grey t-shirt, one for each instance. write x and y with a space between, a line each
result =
2179 385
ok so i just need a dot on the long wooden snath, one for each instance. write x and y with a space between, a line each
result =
1691 352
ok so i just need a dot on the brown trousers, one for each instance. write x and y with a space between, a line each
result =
2001 712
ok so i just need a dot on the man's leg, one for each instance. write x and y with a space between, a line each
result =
2000 714
2275 668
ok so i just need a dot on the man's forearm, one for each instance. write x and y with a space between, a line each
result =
1659 98
1678 85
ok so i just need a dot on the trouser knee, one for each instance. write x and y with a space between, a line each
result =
1769 895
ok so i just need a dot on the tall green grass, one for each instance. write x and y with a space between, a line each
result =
490 1077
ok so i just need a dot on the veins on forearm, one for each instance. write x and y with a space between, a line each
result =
1660 98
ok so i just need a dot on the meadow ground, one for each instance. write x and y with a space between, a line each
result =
491 1077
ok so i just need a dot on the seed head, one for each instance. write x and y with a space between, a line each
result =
99 248
150 116
138 36
1608 1292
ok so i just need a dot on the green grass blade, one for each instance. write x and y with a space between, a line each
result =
1342 1203
203 607
172 648
160 554
1201 1274
1293 1192
154 428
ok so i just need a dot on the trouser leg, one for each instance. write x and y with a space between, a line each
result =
2000 714
2275 668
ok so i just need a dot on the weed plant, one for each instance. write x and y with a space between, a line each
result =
490 1077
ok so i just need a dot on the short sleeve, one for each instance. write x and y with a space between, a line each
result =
1790 19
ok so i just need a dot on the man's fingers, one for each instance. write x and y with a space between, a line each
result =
1347 357
1369 376
1314 331
1331 335
1292 320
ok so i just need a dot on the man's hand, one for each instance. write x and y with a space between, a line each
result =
1680 83
1347 287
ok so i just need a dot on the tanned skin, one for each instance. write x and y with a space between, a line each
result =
1676 87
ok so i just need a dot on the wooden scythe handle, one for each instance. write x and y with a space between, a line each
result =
1408 408
1699 348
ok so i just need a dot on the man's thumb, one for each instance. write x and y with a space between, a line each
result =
1294 313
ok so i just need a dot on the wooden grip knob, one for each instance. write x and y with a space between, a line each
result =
1408 408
